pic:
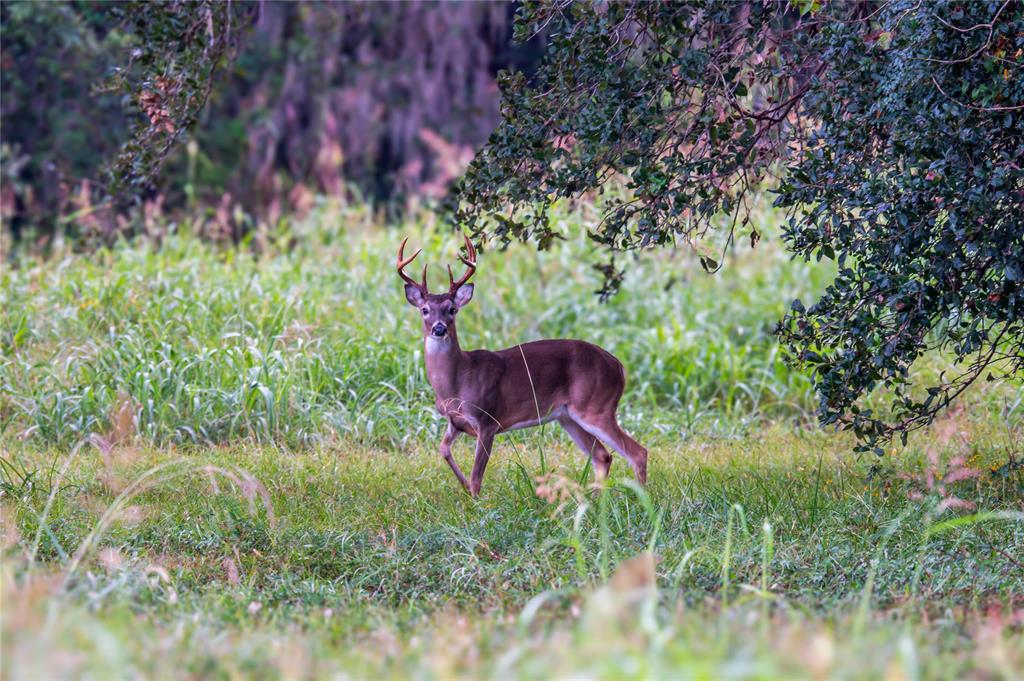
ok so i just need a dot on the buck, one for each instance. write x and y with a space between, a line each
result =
484 393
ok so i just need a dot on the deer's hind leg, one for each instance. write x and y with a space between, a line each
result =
590 446
484 441
606 428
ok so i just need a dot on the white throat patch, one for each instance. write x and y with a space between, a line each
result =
436 345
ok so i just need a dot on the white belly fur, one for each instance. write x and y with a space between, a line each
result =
556 414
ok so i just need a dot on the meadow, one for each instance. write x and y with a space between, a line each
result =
220 461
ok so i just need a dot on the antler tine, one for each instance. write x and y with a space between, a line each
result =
470 251
402 262
469 260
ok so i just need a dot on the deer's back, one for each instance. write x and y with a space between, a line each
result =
546 375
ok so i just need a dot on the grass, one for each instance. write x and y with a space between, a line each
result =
295 346
221 462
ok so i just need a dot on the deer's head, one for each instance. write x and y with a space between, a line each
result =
438 310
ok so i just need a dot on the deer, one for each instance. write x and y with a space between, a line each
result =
483 393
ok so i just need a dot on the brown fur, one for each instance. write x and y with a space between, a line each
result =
483 393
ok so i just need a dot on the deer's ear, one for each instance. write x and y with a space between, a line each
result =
414 295
463 295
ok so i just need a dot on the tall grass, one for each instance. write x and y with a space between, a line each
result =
307 336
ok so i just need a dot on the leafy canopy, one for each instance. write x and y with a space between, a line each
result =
892 132
178 50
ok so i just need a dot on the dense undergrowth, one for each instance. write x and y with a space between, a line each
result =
221 462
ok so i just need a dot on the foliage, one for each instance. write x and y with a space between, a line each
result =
376 95
98 95
276 102
178 48
56 128
915 185
893 130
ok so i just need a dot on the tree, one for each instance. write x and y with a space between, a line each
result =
891 131
102 93
53 131
178 50
279 101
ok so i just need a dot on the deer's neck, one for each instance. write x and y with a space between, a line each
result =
443 357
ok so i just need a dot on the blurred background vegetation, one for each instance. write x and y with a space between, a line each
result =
385 100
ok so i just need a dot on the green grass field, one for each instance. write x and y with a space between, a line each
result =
222 462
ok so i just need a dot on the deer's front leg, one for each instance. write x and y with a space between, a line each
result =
446 451
484 440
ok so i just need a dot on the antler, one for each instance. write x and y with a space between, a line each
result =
402 262
469 260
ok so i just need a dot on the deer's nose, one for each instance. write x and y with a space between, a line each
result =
439 329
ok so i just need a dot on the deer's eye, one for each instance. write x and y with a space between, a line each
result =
451 311
426 311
